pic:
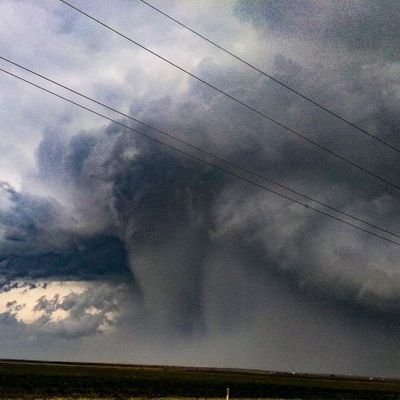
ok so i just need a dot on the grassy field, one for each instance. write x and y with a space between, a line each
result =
45 380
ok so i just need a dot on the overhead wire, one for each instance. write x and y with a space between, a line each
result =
199 159
197 148
274 79
247 106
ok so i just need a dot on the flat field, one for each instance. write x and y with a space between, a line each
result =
53 380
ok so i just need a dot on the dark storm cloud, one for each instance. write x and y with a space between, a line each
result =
156 200
249 140
100 257
215 258
170 212
359 25
40 241
29 222
321 255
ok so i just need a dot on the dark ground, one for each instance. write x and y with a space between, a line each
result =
34 379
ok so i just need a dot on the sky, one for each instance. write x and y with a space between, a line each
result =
116 248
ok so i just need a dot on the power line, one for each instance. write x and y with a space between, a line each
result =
276 122
286 86
231 164
211 164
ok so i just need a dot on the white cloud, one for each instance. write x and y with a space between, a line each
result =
27 297
64 308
